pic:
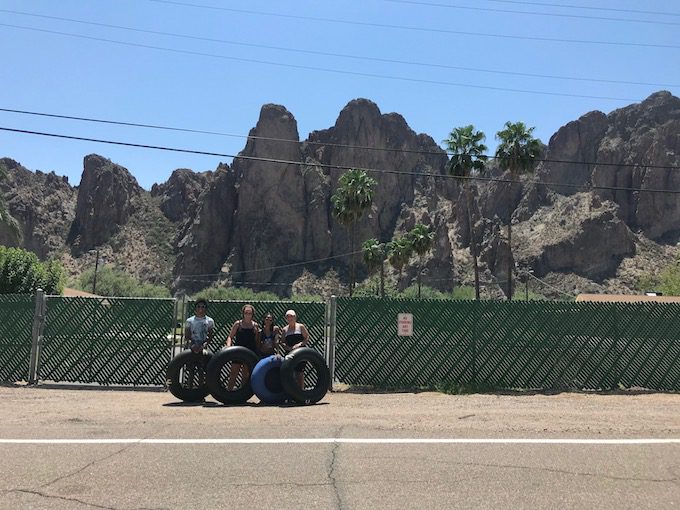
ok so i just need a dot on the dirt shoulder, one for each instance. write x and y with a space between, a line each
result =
49 411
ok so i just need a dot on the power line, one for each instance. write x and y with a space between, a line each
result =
586 7
345 167
285 266
548 285
508 11
328 70
325 144
312 68
414 28
338 55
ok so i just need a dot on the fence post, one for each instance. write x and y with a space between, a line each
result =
330 351
36 335
179 314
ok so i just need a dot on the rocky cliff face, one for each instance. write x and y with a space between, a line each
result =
43 204
105 199
266 221
634 147
179 195
280 216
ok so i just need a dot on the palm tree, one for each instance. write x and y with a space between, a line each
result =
399 253
517 152
354 195
467 158
375 254
421 239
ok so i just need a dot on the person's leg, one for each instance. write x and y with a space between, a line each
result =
234 372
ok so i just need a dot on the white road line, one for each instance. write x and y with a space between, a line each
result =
348 440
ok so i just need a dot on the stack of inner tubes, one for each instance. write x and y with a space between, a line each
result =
234 374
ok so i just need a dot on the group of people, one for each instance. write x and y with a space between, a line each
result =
264 340
246 332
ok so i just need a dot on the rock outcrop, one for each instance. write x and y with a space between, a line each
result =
581 234
636 147
179 195
104 203
205 240
266 221
43 205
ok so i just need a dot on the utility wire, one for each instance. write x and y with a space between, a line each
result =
586 7
327 70
313 68
508 11
548 285
414 28
338 55
285 266
329 144
345 167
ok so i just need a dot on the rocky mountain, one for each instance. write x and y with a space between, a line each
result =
592 217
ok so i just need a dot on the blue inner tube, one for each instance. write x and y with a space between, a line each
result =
266 380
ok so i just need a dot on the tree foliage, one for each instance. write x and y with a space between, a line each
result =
354 194
421 239
468 157
517 152
22 273
235 294
667 281
375 254
399 252
112 282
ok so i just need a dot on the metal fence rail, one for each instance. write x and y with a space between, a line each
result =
538 345
16 318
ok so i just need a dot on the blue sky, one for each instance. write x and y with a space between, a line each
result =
439 63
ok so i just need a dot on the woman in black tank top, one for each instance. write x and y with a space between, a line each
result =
245 333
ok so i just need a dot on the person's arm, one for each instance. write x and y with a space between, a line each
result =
284 344
187 334
232 334
258 337
211 332
305 337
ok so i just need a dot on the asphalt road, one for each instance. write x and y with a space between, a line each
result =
350 451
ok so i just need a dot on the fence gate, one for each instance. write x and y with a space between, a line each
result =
107 340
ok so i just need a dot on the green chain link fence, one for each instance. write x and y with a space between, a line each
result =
16 318
107 340
533 345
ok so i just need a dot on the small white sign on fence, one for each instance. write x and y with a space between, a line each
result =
405 324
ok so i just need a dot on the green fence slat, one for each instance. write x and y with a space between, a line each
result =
110 341
509 344
16 322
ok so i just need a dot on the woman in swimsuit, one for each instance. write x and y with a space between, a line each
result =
245 332
269 336
295 335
